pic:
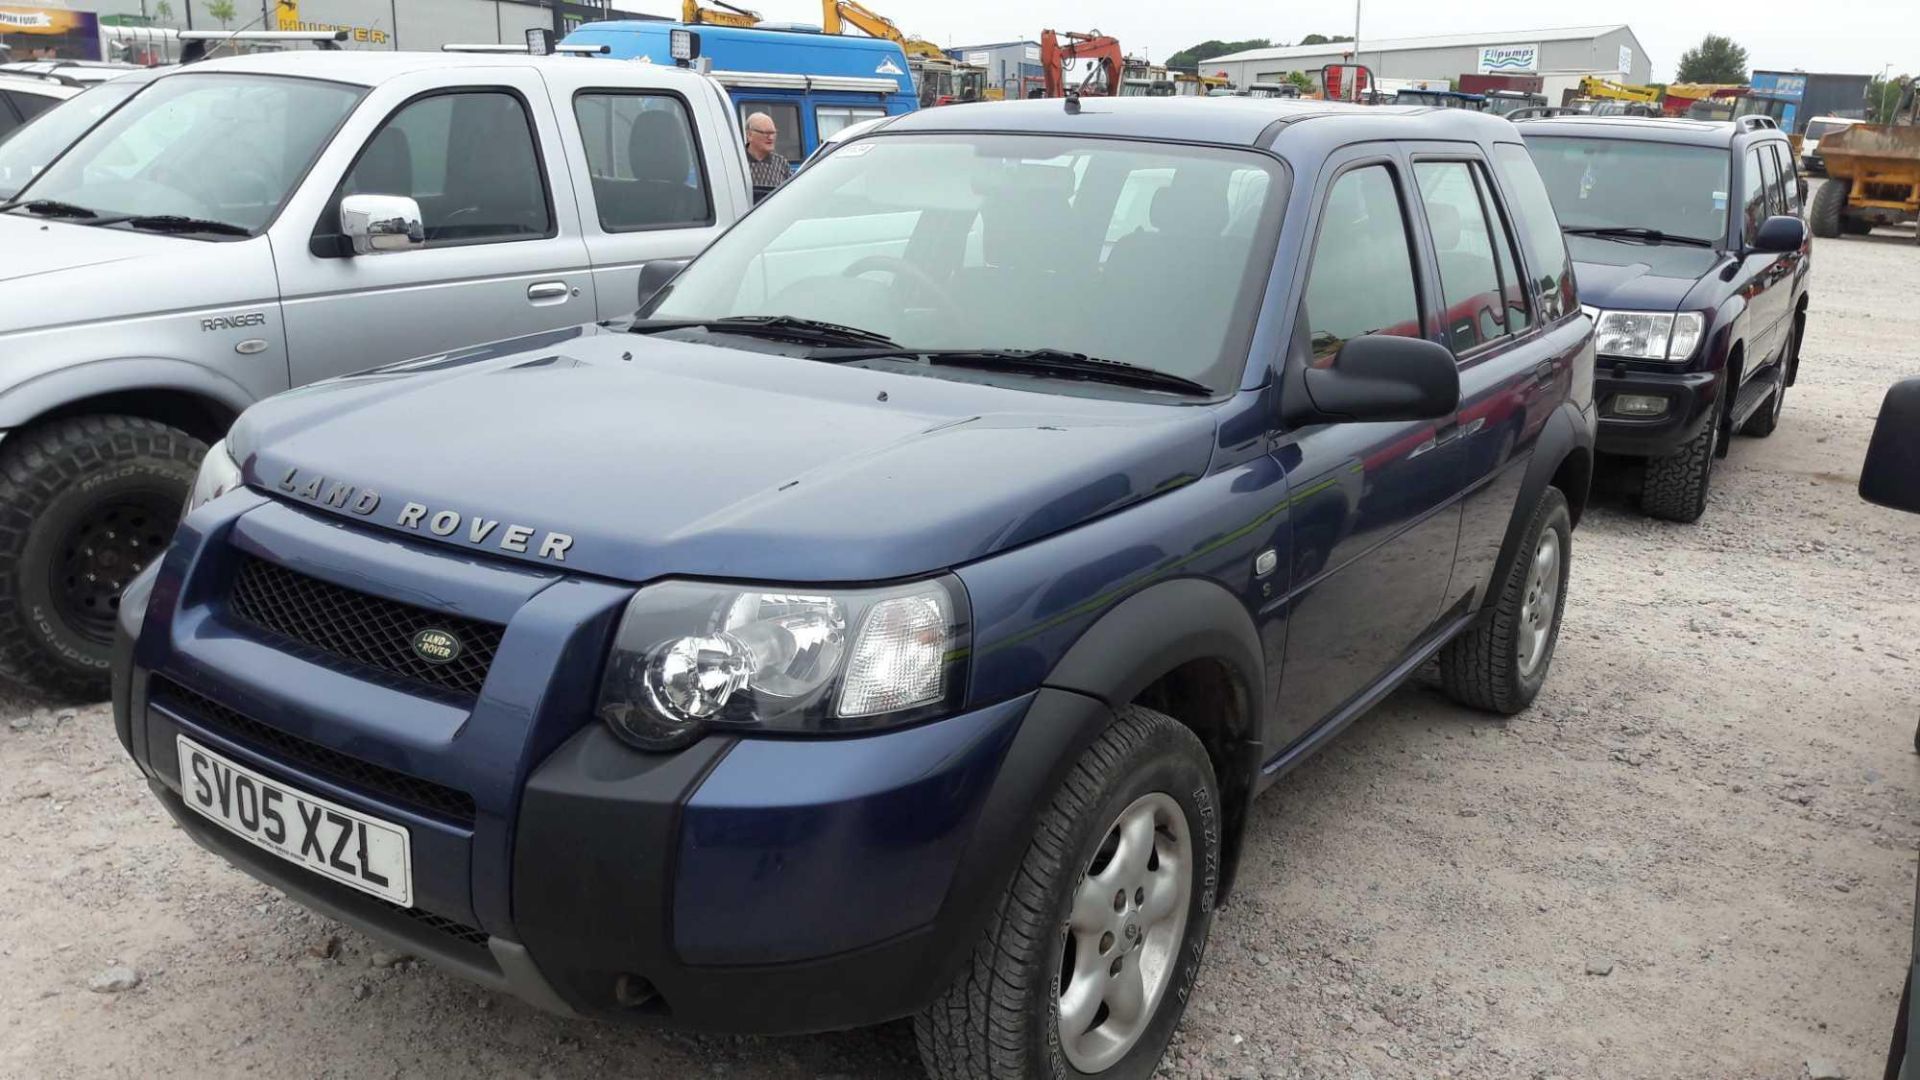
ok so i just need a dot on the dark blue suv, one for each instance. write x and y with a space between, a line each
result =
898 616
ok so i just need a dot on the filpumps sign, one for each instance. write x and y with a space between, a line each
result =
1508 59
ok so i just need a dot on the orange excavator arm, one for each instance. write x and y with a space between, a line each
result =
1054 58
720 14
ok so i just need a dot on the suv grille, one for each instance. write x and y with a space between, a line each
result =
423 796
369 630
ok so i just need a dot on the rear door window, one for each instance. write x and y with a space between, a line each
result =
1788 201
643 160
1464 243
30 105
1547 261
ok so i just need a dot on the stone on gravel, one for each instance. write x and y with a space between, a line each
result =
1599 967
114 980
326 948
360 991
384 959
1819 1069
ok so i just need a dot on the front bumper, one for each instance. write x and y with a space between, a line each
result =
760 886
1690 396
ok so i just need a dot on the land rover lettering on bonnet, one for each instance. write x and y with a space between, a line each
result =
418 516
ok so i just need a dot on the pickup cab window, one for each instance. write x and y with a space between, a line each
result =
642 160
468 159
219 147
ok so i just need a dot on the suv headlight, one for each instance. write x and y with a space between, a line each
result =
692 657
218 474
1647 335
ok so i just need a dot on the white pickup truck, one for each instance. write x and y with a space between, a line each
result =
242 226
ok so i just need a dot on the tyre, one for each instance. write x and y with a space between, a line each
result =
1500 662
1853 226
1828 203
1676 485
85 504
1761 423
1085 965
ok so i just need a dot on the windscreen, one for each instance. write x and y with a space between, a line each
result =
226 148
28 150
1144 253
1617 183
1820 129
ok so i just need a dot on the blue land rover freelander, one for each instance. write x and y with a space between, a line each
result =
898 616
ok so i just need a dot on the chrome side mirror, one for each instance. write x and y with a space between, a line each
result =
380 223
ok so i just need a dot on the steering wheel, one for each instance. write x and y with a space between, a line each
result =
901 269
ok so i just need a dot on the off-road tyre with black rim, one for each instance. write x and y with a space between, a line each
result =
999 1020
1676 485
1487 667
85 503
1829 202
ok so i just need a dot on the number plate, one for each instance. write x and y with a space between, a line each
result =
345 845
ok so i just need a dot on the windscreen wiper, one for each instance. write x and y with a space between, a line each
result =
1051 363
50 208
784 327
177 223
1623 232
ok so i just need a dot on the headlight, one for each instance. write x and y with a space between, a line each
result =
1647 335
218 474
691 657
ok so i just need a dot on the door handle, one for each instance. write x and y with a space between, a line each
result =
548 290
1545 372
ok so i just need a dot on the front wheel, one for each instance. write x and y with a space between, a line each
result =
1085 966
1829 204
1676 485
85 504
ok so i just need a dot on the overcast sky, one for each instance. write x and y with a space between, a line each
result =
1859 36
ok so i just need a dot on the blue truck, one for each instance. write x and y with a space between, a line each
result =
898 616
811 84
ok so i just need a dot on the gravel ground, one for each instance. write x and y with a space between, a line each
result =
1693 857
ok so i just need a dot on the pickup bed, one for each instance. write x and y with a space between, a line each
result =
247 225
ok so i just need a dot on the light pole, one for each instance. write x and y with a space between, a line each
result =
1356 51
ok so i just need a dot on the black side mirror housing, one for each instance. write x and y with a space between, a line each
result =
761 191
1379 378
1891 475
1779 235
654 276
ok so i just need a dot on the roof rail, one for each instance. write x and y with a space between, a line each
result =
511 49
196 44
1542 112
1759 121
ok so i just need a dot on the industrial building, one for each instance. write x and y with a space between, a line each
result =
1011 66
1560 56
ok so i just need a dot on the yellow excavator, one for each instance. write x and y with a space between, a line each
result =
720 14
941 79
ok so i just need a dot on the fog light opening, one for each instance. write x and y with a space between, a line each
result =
1639 406
634 991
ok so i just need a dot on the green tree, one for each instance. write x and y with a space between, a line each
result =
1300 79
1883 99
1717 59
1324 39
162 11
221 10
1190 58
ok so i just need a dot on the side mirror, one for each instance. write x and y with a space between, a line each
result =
761 191
654 276
1891 475
1380 377
380 223
1779 235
